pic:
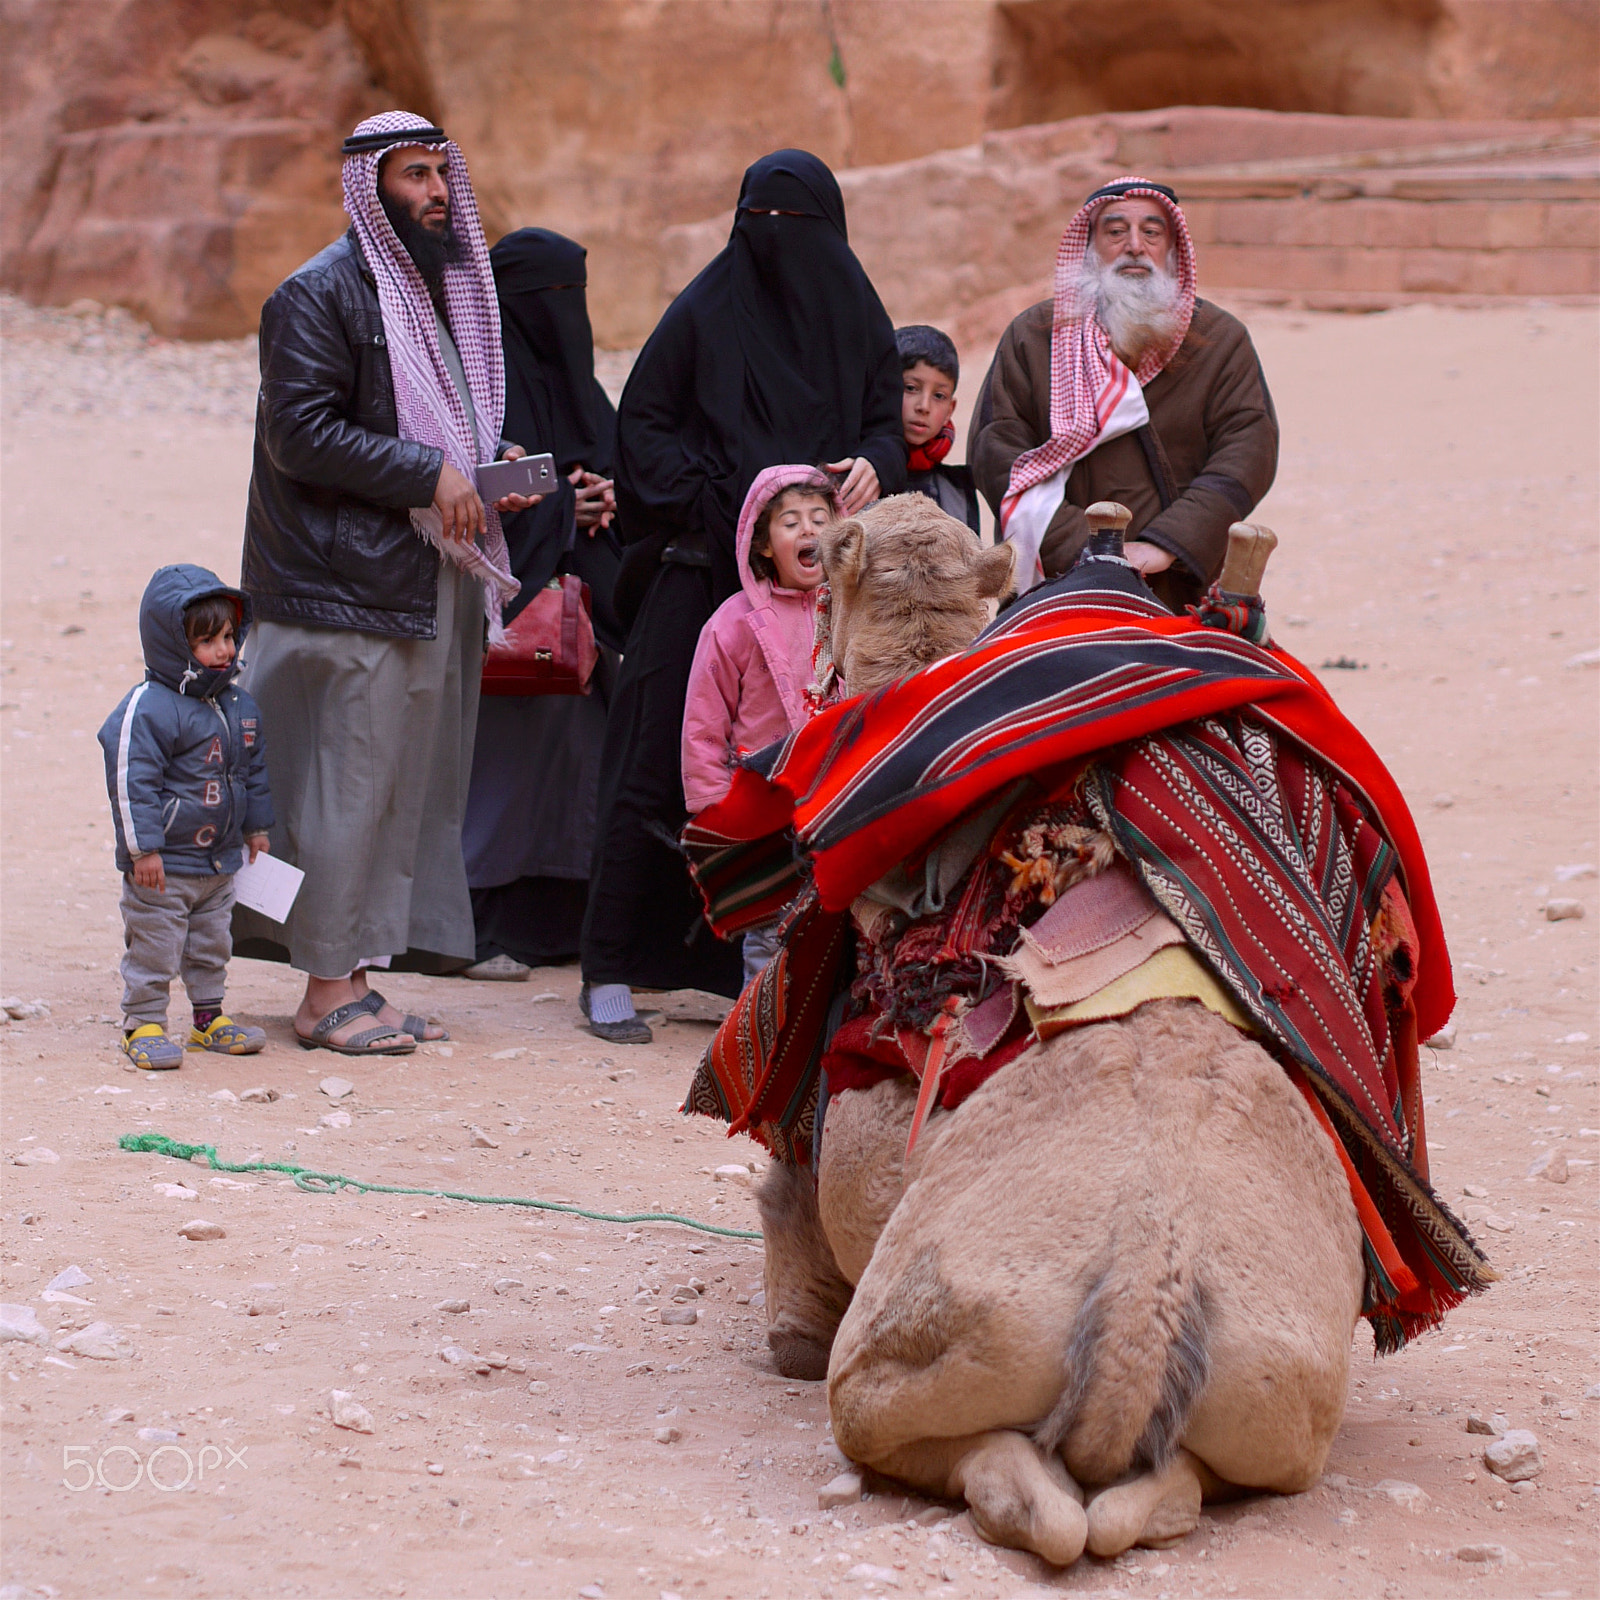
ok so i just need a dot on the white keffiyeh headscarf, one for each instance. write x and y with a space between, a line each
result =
1094 397
427 405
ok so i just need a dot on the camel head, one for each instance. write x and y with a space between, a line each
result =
908 585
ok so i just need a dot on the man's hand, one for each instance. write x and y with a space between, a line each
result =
508 503
260 845
597 499
150 871
1147 558
860 487
456 500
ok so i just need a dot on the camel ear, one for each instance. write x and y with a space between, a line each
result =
844 554
995 572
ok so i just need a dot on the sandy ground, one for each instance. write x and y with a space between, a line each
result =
1438 515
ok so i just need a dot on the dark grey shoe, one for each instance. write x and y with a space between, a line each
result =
631 1030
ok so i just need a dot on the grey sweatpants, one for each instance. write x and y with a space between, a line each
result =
182 932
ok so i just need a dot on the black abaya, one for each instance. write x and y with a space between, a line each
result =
530 824
779 351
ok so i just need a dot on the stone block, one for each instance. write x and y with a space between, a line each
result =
1572 225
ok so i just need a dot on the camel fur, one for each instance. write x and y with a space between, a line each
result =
1121 1277
907 586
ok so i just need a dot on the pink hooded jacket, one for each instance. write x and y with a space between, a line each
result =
751 669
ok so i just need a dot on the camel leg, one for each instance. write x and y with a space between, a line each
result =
1156 1509
806 1294
1017 1495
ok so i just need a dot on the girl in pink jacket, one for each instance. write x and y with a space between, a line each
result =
753 664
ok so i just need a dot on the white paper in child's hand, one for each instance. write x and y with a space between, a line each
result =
268 885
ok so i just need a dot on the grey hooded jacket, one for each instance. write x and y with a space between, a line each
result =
185 765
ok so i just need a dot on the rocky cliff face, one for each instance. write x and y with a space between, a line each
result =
181 159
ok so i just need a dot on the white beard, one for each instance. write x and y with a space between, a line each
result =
1138 311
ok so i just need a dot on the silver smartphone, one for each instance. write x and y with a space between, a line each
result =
528 475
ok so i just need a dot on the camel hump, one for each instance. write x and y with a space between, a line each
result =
1137 1360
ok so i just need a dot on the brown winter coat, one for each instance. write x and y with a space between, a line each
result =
1213 436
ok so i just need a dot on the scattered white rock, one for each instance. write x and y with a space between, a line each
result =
39 1156
435 1469
20 1010
1563 910
1444 801
667 1435
334 1119
1576 870
481 1141
1491 1555
453 1355
733 1173
685 1293
680 1316
1514 1456
336 1088
506 1285
22 1322
456 1306
1410 1497
1444 1039
348 1412
223 1181
865 1572
509 1055
259 1096
176 1191
591 1591
226 1095
1551 1165
118 1414
100 1341
158 1435
60 1297
106 1088
70 1278
264 1305
1584 658
199 1229
845 1490
1493 1426
1475 1191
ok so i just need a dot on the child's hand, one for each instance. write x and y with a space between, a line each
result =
260 845
150 871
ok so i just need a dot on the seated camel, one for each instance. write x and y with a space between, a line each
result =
1121 1276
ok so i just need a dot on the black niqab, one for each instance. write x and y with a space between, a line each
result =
779 351
554 403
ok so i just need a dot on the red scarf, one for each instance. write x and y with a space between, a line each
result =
925 457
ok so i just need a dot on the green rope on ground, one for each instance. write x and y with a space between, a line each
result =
333 1182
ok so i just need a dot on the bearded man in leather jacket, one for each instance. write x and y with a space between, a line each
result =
373 566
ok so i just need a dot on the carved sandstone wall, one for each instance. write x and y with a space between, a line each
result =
179 159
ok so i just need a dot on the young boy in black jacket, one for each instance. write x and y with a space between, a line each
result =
929 370
187 775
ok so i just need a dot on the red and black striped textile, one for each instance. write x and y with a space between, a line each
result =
1255 811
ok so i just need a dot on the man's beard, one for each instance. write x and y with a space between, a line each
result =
1139 311
431 251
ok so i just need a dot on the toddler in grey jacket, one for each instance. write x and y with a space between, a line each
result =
187 775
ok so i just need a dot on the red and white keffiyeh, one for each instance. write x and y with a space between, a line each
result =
427 405
1094 397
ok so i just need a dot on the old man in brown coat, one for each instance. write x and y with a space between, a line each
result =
1125 387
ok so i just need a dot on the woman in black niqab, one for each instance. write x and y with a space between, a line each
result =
529 829
779 351
555 403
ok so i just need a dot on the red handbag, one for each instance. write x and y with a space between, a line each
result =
549 648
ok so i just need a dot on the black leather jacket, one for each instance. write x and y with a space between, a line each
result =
328 536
